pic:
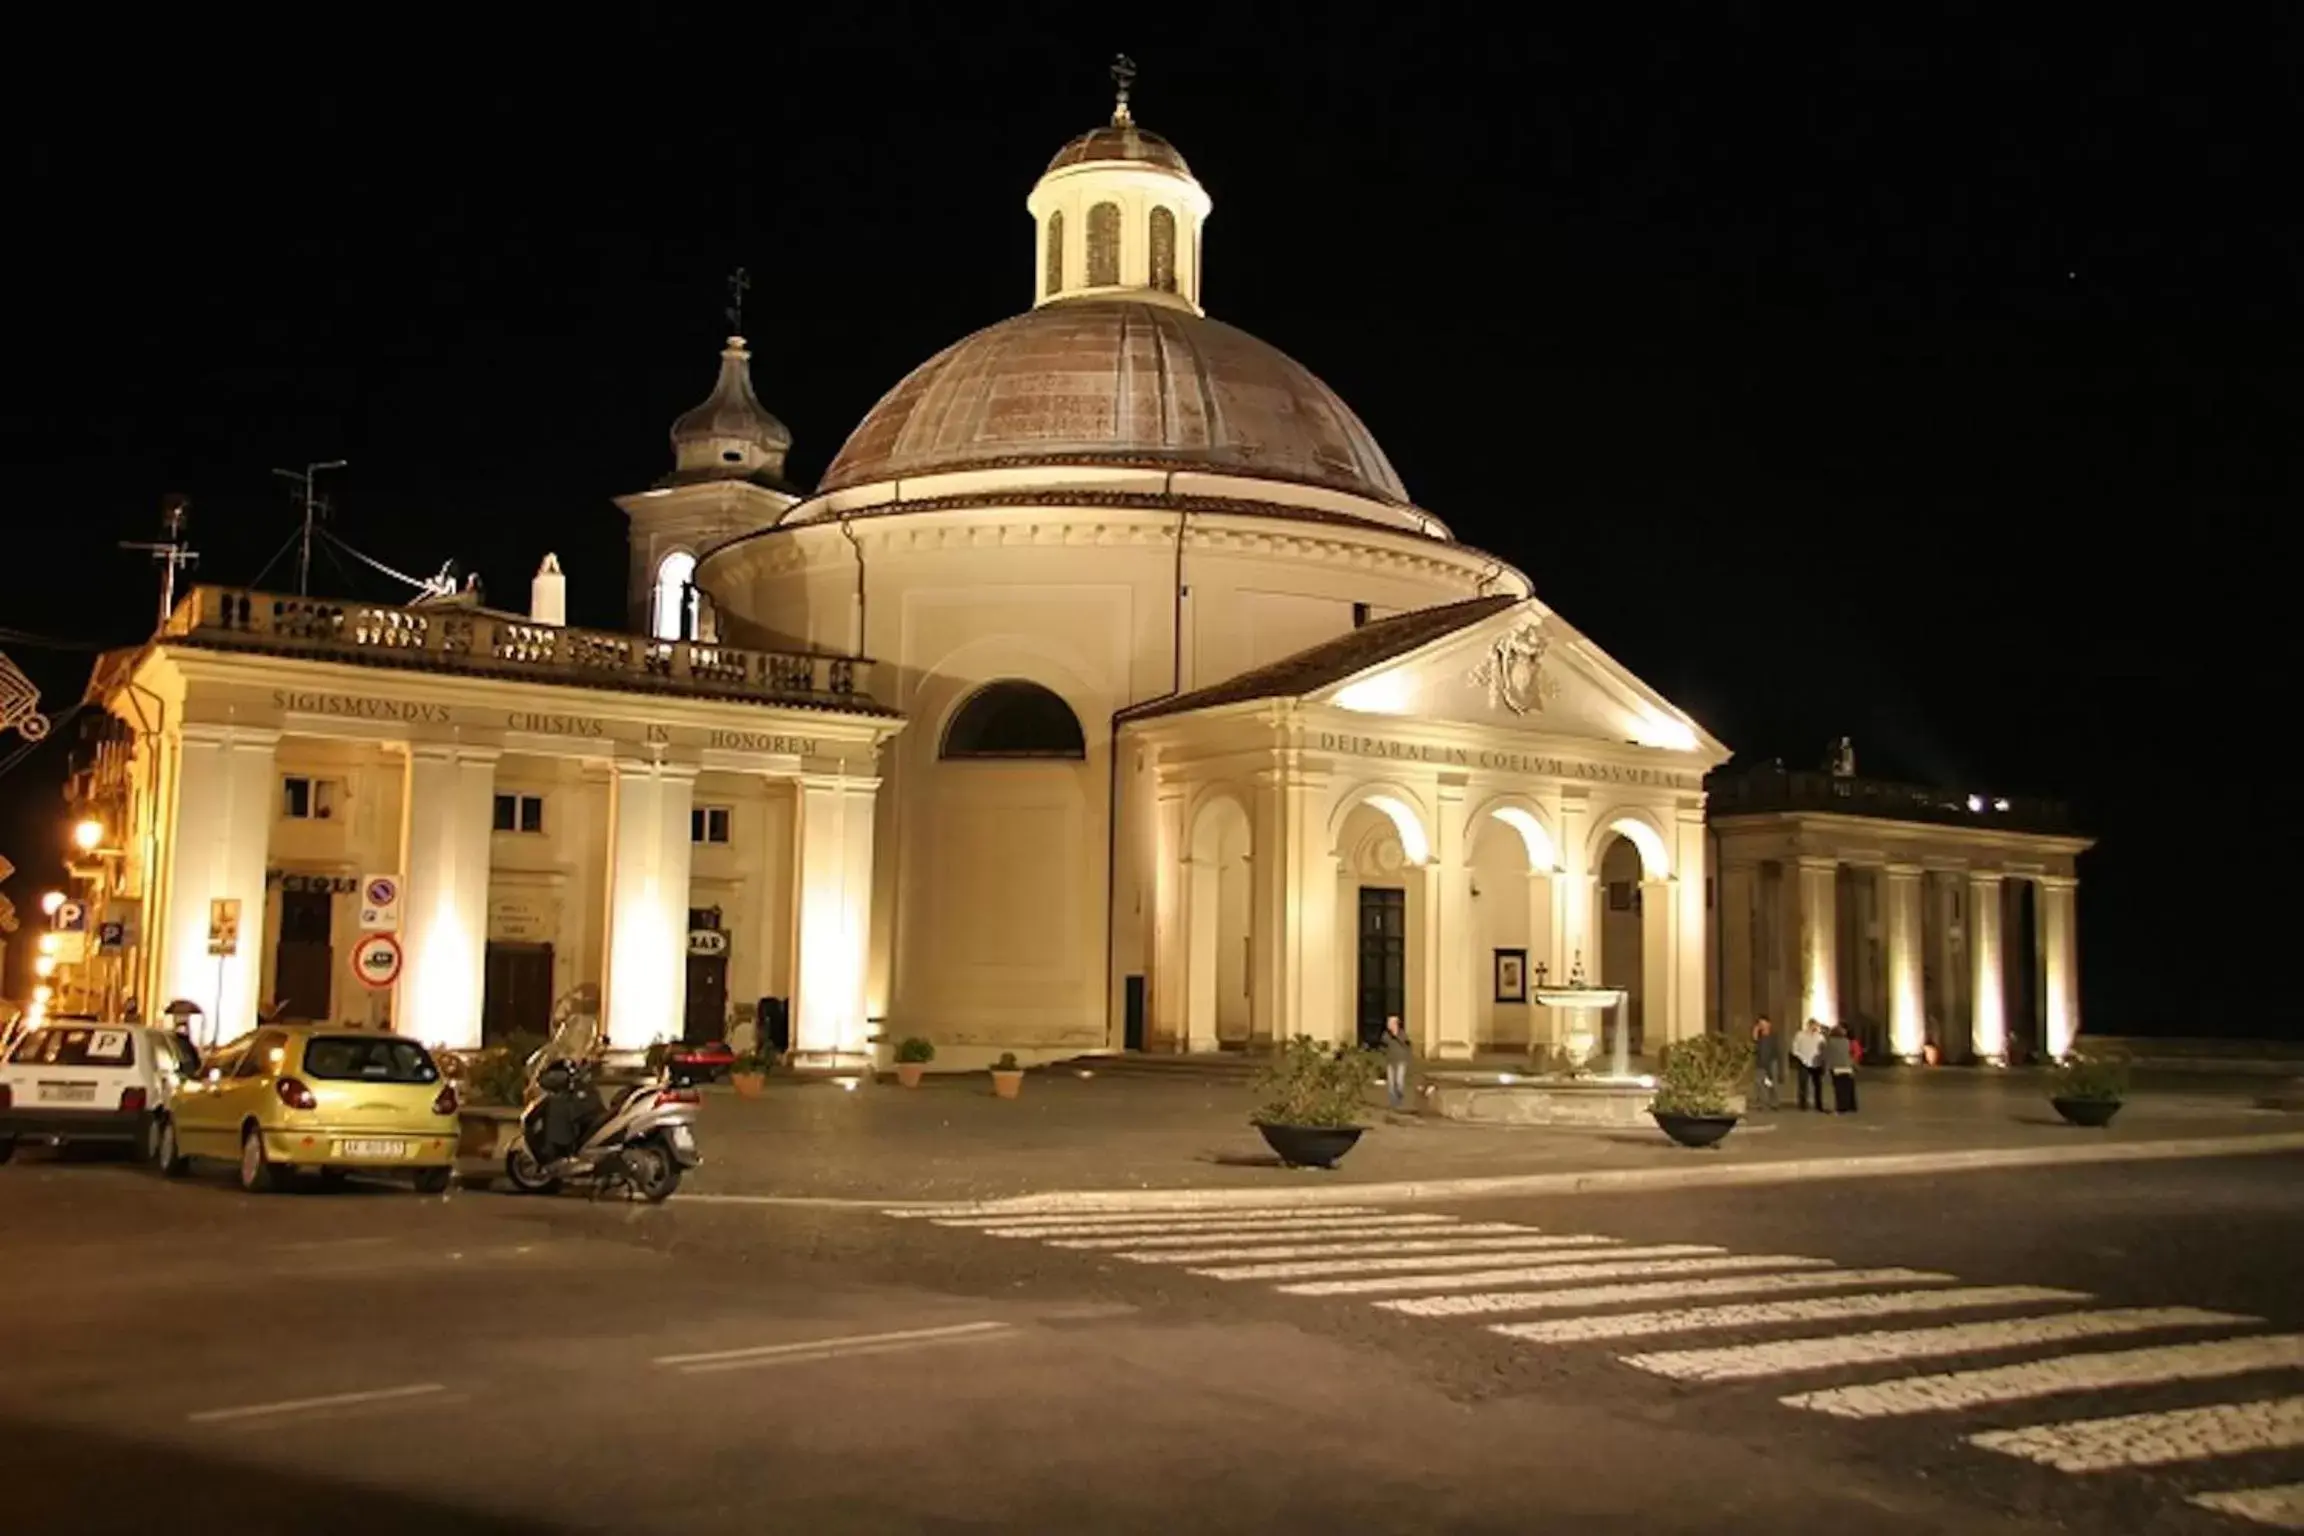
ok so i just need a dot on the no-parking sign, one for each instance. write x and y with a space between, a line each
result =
376 960
380 903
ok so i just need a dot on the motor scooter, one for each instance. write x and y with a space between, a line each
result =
643 1139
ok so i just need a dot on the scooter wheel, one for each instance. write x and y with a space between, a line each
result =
654 1174
526 1176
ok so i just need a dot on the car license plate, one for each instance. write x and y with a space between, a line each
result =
372 1148
68 1093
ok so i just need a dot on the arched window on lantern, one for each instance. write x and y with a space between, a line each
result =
668 619
1104 245
1164 250
1053 281
1014 719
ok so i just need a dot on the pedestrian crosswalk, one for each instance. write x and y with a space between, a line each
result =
1699 1313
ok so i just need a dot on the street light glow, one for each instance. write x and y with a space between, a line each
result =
50 901
87 833
44 966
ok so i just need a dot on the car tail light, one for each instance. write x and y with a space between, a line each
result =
678 1096
294 1094
131 1101
445 1102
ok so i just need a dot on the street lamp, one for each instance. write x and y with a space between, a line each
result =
51 901
44 966
87 833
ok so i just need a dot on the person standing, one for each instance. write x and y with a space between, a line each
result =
1399 1050
1767 1064
1840 1061
1808 1057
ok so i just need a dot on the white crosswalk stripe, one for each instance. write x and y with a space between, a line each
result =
1657 1290
1210 1218
1256 1240
2155 1439
1524 1238
1748 1362
1607 1270
2281 1508
1440 1263
1294 1224
2066 1373
1756 1314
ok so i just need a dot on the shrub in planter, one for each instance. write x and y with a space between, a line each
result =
1697 1085
498 1076
2089 1090
1007 1077
1309 1101
750 1072
912 1057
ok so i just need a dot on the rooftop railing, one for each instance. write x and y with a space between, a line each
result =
474 640
1758 790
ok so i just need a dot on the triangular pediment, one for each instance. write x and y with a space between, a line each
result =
1520 668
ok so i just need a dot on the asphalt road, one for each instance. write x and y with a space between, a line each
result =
185 1357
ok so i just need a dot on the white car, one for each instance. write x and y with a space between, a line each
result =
81 1082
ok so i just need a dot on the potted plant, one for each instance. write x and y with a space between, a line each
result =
1310 1101
492 1091
1696 1090
750 1072
1007 1077
2089 1090
912 1057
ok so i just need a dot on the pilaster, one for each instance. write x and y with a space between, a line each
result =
832 908
444 860
1907 1005
1454 957
219 833
1988 999
1737 896
646 988
1819 940
2060 960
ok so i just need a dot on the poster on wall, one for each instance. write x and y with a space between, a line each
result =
1511 975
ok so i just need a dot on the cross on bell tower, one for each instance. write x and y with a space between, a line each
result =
1123 76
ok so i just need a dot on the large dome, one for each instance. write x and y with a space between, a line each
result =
1119 382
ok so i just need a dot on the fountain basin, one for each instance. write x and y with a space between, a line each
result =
1518 1098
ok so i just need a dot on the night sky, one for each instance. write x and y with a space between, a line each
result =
1933 381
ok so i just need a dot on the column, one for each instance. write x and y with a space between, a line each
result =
1987 1000
646 989
1907 1003
444 854
1819 941
1171 892
1292 888
1739 891
1454 956
1203 922
1659 962
832 905
1943 894
1691 932
1573 894
218 834
2060 960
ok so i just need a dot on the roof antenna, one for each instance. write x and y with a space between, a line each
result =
314 509
739 283
1123 76
171 550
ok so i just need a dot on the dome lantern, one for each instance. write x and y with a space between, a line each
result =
1119 214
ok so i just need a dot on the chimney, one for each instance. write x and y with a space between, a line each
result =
548 594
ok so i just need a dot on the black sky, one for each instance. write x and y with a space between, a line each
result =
1933 380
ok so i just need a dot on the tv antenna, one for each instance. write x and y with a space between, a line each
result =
173 553
314 508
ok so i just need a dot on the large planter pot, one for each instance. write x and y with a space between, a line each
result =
1694 1130
909 1072
484 1130
749 1085
2090 1112
1309 1146
1007 1085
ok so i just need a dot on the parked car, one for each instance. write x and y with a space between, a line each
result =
310 1098
84 1082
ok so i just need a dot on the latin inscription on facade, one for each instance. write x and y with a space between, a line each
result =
1500 761
361 708
555 725
761 741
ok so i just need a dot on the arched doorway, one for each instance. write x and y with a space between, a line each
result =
1632 926
1383 893
1219 970
1511 906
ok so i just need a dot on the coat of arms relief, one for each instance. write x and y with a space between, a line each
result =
1513 670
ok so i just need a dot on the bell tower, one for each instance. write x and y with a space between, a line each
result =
1119 214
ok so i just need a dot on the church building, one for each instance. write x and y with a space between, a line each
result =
1109 692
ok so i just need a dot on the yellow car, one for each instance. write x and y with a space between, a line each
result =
292 1098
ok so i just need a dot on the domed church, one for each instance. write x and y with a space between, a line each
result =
1213 736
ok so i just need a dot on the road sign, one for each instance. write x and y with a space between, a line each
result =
380 903
72 917
376 960
112 935
224 925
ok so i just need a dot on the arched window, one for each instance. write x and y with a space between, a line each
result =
1053 283
1164 250
1104 245
669 620
1012 718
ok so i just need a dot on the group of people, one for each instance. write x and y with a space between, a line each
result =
1817 1052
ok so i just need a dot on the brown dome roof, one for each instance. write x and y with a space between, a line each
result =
1121 141
1108 381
